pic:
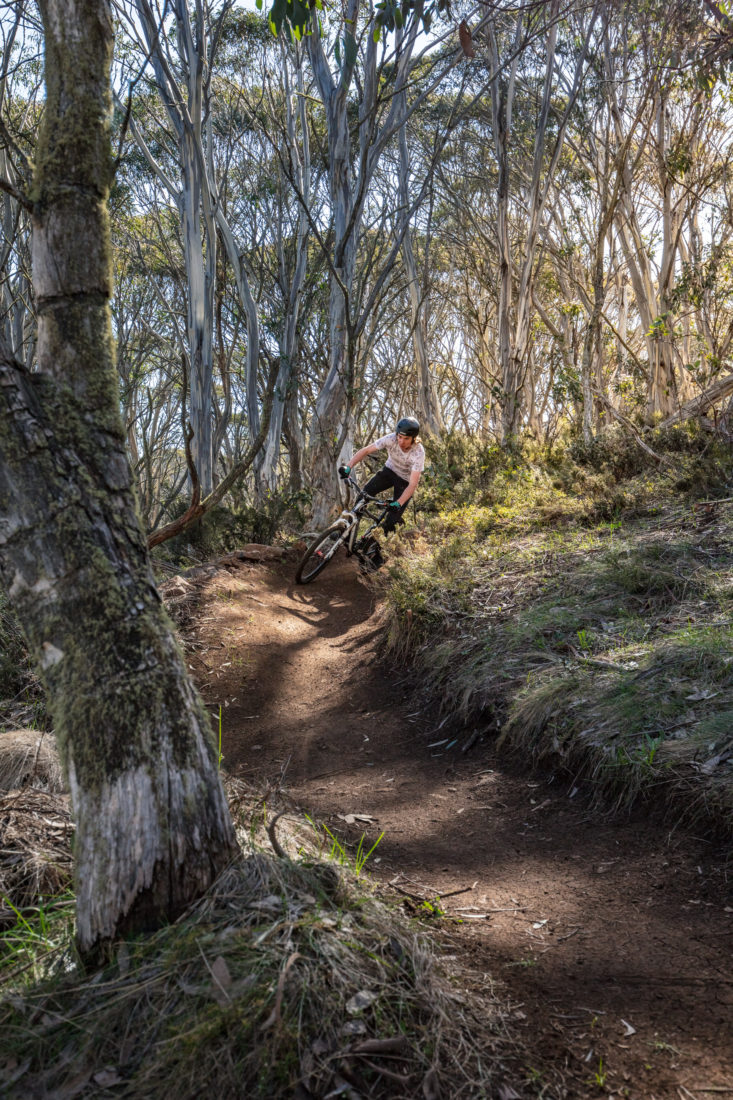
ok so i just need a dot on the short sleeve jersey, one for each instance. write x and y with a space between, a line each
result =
402 462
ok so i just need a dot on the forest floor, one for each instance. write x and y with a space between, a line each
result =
611 940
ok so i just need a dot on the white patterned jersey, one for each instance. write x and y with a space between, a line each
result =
402 462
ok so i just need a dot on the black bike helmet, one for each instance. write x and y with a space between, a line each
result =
408 426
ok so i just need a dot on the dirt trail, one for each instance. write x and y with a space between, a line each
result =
611 940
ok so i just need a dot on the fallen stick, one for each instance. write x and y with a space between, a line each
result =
471 741
568 935
274 1017
463 890
381 1046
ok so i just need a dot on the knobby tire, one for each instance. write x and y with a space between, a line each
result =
317 556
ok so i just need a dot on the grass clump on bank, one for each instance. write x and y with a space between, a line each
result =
602 643
288 979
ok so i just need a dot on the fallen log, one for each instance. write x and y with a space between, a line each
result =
698 405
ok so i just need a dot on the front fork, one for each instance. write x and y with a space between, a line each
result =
351 523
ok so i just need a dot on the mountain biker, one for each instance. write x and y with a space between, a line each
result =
401 472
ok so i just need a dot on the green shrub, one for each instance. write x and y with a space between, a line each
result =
697 463
227 527
461 469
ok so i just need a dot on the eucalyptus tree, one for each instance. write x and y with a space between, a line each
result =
366 106
582 205
237 106
149 310
150 344
384 384
426 404
152 825
558 86
654 199
689 340
182 57
704 291
498 182
692 154
465 260
277 104
645 163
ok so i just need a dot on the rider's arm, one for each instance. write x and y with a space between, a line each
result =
369 450
411 487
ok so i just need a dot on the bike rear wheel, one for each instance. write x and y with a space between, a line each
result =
319 554
369 554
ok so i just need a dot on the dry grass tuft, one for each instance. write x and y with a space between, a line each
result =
28 758
287 980
35 853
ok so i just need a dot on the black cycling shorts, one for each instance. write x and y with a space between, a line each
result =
388 479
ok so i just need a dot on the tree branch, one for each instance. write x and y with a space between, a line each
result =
21 199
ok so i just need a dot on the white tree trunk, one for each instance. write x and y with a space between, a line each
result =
514 323
298 153
196 206
427 406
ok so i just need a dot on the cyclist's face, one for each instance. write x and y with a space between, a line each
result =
405 441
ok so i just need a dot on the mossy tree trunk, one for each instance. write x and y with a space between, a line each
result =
153 827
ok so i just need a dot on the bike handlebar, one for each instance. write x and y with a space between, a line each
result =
366 496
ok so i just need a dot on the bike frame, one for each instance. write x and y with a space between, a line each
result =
352 517
344 532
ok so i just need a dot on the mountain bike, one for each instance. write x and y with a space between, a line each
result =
345 532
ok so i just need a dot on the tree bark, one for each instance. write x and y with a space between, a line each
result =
333 397
152 825
199 248
502 105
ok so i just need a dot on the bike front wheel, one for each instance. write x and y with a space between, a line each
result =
319 554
